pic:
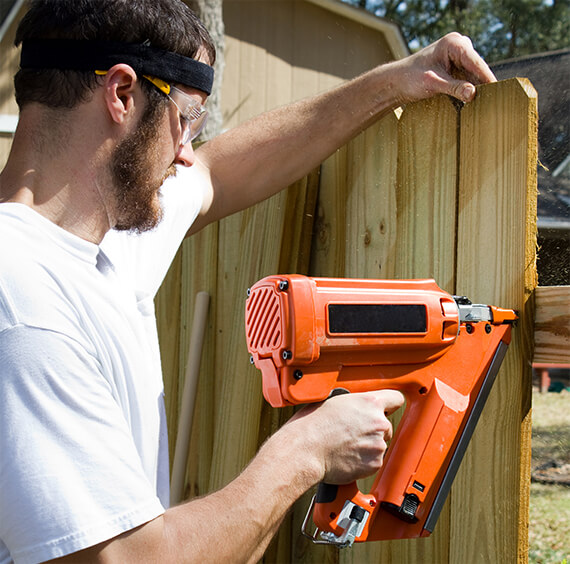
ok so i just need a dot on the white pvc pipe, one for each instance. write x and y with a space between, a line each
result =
188 397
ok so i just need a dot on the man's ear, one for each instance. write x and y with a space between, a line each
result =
119 86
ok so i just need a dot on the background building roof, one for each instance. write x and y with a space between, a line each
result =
550 75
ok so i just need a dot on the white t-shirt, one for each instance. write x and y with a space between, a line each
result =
83 444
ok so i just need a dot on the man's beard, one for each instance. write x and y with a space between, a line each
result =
137 186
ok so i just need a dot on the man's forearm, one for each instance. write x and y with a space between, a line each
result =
260 157
234 524
342 440
267 153
237 523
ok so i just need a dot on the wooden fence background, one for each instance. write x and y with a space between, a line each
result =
434 191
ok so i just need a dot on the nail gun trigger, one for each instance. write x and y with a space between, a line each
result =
338 392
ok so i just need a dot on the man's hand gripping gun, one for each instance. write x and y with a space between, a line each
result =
313 337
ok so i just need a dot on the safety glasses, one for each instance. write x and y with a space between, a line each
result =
193 116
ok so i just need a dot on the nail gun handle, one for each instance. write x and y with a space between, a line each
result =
421 442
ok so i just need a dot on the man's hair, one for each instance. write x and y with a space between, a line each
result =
164 24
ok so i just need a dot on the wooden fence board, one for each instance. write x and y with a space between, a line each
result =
354 237
427 189
355 229
294 258
250 247
427 186
552 325
496 264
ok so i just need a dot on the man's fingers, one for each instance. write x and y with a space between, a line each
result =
464 91
467 64
464 67
392 400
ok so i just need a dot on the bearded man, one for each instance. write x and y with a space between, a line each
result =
99 190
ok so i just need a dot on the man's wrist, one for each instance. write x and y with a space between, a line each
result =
298 449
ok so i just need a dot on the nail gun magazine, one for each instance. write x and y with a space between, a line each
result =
314 337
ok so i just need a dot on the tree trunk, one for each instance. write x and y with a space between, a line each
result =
210 12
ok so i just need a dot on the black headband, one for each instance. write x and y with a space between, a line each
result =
72 54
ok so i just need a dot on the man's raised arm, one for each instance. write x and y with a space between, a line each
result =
267 153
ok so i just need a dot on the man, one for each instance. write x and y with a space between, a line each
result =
111 93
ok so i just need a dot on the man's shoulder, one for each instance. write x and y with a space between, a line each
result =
27 290
33 282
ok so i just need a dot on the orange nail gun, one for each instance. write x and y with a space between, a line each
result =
313 337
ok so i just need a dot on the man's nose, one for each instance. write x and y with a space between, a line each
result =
185 155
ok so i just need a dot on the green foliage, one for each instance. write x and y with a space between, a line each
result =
500 29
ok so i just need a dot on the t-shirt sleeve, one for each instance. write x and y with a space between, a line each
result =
70 474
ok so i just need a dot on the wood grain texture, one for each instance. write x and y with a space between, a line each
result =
294 258
496 264
425 244
249 248
427 186
355 231
355 237
440 192
552 325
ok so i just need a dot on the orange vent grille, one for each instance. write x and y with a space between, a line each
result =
263 321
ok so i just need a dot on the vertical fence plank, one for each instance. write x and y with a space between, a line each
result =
496 264
250 246
354 237
294 258
427 186
355 230
425 244
372 160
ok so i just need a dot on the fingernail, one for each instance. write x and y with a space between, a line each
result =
468 92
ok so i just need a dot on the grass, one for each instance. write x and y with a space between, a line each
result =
549 534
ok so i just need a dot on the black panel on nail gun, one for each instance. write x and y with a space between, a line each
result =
377 318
